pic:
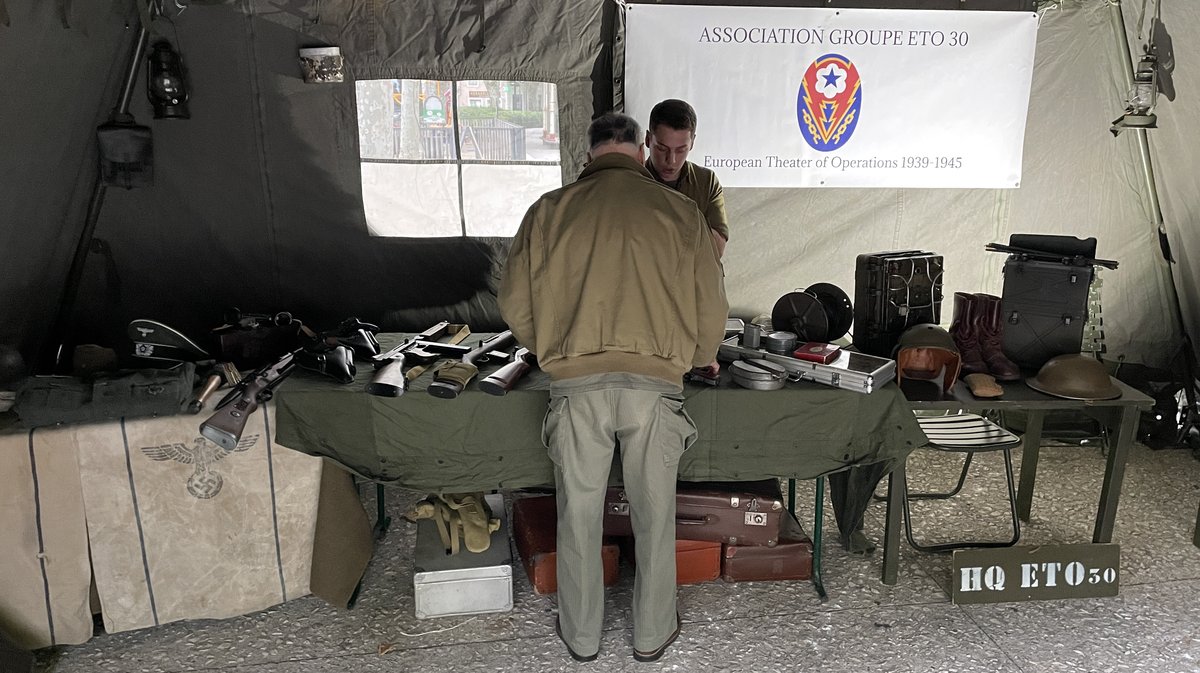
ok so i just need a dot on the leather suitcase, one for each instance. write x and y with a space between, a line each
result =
892 292
535 530
736 512
791 559
696 561
1045 308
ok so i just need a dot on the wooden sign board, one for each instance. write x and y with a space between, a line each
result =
1046 572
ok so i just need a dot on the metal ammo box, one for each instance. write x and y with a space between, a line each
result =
465 583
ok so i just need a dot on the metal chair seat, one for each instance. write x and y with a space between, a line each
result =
968 434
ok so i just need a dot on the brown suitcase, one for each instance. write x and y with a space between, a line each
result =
696 561
733 512
535 530
791 559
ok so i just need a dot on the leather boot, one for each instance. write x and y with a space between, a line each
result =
965 331
989 318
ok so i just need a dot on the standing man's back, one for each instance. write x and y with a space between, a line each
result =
613 283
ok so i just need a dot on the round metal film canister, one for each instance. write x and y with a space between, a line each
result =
780 343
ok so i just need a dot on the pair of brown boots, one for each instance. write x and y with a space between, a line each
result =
978 331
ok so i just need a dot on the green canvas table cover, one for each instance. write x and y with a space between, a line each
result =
483 442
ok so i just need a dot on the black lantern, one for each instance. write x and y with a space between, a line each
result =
165 84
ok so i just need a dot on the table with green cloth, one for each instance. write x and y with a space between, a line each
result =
481 442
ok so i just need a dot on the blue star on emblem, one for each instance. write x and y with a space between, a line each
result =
831 78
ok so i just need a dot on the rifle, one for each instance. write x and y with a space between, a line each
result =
226 425
389 379
450 378
502 380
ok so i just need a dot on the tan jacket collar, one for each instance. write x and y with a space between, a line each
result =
614 160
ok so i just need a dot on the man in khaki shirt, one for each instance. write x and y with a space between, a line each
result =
669 137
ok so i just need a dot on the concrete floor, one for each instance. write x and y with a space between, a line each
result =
1152 625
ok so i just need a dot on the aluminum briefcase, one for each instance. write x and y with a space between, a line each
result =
465 583
735 512
535 531
791 559
849 371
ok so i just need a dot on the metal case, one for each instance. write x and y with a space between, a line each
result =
850 371
465 583
892 292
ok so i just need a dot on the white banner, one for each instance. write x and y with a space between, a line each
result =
805 97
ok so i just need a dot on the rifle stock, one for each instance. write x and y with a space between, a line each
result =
502 380
389 380
225 427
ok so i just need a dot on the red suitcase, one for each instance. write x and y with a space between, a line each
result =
791 559
535 530
735 512
696 561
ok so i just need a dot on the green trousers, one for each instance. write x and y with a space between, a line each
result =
589 418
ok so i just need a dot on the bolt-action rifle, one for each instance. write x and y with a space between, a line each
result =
226 425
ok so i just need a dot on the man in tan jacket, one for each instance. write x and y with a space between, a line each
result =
614 283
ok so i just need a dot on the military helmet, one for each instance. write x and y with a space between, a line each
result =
1075 377
926 352
926 335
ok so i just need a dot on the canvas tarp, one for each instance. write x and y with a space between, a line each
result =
257 199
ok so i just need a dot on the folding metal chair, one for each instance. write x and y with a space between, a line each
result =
968 434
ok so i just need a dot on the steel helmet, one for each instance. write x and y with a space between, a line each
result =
925 352
1075 377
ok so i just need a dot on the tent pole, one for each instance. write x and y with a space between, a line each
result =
1189 431
1143 143
54 354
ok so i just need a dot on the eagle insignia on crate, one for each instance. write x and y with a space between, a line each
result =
205 482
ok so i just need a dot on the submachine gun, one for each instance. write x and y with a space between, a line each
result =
391 380
451 377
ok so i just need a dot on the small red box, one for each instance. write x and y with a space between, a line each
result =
815 351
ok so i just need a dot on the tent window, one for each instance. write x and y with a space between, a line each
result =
455 158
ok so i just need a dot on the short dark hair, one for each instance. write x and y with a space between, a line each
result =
674 113
614 127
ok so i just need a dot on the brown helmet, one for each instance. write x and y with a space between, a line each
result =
1075 377
925 352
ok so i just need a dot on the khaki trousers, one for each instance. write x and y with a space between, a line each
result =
589 417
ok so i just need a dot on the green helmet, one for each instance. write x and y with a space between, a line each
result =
1075 377
926 335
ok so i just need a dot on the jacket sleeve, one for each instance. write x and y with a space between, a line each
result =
516 286
712 308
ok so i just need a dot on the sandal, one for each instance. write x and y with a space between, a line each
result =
983 386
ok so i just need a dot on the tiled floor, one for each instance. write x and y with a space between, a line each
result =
865 626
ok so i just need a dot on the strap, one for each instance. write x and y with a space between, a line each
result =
461 332
1042 255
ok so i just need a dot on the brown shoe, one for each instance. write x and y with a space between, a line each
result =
989 320
656 654
965 331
